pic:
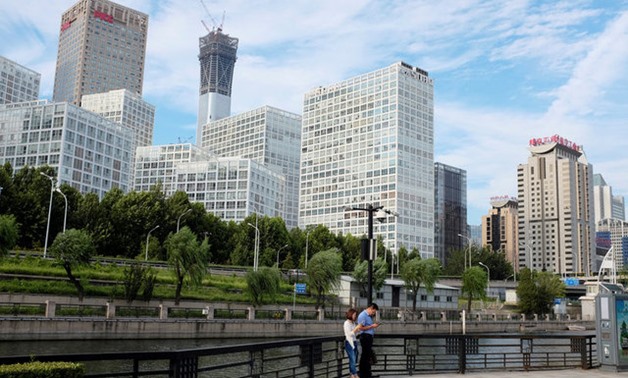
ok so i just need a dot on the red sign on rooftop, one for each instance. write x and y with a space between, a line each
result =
103 16
66 25
554 139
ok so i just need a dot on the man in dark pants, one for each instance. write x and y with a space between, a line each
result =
367 331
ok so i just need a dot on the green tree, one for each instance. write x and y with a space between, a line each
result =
187 258
360 275
263 284
323 273
417 272
9 233
536 291
137 277
72 249
474 283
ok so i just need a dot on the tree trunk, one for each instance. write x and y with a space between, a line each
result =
177 294
414 302
470 299
75 282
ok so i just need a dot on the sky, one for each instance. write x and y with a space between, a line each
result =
504 71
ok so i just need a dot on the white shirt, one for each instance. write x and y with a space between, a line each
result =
349 326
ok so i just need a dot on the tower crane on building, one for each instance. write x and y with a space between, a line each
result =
216 26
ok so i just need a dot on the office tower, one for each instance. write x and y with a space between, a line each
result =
605 203
500 228
88 152
556 221
369 140
229 187
450 210
102 46
17 83
127 108
217 57
267 135
475 232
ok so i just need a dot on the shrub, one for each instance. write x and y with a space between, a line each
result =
43 370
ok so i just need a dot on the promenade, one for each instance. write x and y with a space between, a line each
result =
563 373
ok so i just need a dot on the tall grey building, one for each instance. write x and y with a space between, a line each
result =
102 46
606 204
450 210
269 136
556 221
369 140
217 57
17 83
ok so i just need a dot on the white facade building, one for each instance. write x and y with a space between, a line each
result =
229 187
369 140
556 221
127 108
606 204
268 135
88 152
17 83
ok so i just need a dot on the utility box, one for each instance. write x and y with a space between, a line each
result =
611 310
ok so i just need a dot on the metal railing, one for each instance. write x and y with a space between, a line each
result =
325 357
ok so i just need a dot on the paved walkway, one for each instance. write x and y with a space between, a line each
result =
566 373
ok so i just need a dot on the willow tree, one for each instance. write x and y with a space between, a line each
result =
474 283
323 273
187 258
416 272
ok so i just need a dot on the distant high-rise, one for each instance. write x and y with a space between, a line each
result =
369 140
217 57
17 83
450 210
556 221
607 205
102 47
499 228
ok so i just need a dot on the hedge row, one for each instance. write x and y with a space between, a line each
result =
38 369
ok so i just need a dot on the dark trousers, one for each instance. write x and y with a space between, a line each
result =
366 340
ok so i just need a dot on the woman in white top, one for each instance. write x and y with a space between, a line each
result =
351 342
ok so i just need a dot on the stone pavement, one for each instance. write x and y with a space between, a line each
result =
565 373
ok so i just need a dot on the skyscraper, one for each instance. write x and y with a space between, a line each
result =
499 228
217 57
606 204
450 210
17 83
268 135
369 140
102 46
556 221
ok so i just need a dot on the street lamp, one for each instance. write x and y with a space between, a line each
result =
52 190
370 209
488 280
65 214
147 239
179 219
468 250
307 239
279 250
255 248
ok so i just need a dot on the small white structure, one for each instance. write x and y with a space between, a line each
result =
395 294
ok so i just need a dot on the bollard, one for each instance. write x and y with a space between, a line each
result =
251 313
288 313
494 317
163 312
321 315
423 318
51 309
443 316
209 311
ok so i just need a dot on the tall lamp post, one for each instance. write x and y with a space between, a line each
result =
255 248
468 250
488 279
147 239
65 214
370 209
279 250
52 190
307 240
179 219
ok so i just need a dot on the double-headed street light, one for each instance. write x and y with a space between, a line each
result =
65 214
468 250
179 219
52 190
147 240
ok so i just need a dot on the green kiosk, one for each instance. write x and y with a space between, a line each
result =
611 311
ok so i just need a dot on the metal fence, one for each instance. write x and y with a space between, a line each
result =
325 357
